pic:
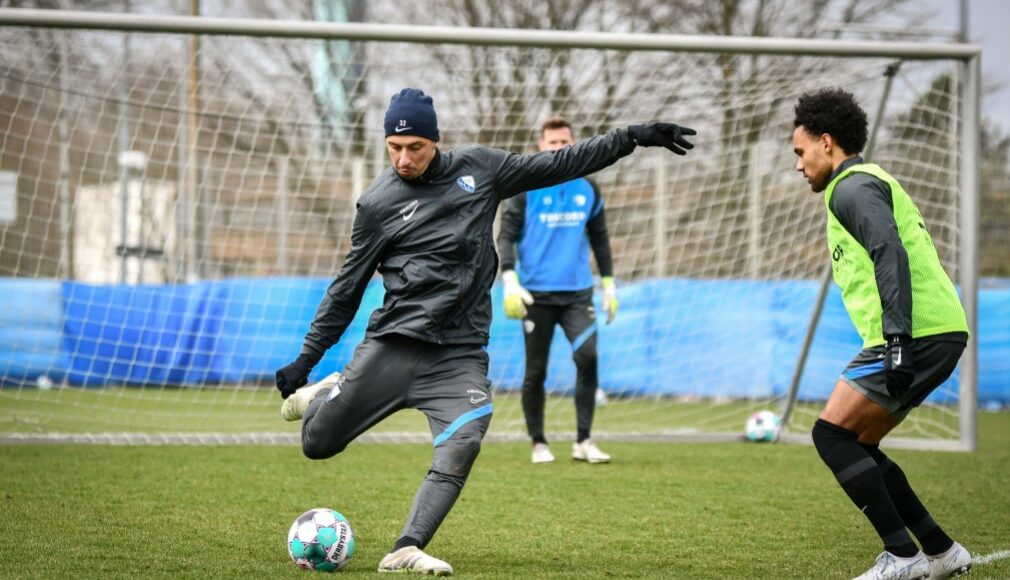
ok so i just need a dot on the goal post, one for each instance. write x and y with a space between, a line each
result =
179 206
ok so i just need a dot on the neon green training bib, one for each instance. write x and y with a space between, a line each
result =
936 308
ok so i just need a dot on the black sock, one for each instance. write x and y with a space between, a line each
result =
933 539
582 435
858 474
540 439
404 542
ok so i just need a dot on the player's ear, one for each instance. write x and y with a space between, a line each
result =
827 143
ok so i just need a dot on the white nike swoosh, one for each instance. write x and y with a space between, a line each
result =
407 216
402 129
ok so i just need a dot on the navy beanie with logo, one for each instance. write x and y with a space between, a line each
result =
411 112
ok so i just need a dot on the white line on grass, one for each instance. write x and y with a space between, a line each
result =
988 558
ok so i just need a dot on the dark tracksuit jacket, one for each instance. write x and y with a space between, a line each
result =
431 240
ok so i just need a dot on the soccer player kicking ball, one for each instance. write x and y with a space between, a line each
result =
554 228
912 325
426 225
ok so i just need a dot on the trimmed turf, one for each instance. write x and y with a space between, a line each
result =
660 510
251 410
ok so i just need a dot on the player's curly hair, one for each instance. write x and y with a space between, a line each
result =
833 111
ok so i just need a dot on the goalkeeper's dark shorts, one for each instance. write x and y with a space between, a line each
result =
934 358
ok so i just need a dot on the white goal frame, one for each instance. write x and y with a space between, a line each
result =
967 55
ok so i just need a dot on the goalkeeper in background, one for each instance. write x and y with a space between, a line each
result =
426 225
553 229
912 325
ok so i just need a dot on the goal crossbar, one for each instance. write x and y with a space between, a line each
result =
483 36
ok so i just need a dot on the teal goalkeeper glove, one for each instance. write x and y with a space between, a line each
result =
609 301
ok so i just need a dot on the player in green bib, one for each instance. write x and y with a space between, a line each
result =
913 327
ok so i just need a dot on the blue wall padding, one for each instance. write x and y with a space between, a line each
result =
217 332
31 326
709 338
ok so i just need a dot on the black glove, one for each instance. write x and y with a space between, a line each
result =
295 375
898 364
668 135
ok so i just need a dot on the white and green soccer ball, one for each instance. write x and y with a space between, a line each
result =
321 539
763 426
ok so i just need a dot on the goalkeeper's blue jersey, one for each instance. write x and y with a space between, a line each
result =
553 249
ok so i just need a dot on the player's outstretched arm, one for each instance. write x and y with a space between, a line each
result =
517 173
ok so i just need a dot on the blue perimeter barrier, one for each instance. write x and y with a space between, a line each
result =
242 330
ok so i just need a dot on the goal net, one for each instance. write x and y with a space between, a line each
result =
173 206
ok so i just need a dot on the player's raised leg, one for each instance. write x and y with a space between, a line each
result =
373 386
293 408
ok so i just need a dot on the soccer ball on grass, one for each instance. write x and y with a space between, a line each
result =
763 426
321 539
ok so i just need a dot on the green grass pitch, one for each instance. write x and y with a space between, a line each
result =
660 510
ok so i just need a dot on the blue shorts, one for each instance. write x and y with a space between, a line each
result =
935 358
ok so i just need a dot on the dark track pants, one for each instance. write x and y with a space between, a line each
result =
578 321
448 383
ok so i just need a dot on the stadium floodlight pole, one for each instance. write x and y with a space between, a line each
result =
481 36
124 170
194 266
66 270
822 293
659 219
282 212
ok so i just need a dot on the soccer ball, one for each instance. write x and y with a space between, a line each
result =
763 426
321 539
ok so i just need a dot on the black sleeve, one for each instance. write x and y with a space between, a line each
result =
862 203
343 296
513 219
515 173
599 237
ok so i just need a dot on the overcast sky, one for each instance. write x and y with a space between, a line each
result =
988 25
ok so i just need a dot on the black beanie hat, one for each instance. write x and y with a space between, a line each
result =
411 112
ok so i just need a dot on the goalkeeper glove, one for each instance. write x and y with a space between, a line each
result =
898 362
667 135
295 375
609 298
516 297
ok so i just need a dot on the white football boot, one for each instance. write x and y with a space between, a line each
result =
295 405
412 559
891 567
588 451
601 397
542 453
954 562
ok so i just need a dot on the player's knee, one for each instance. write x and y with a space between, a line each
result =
534 377
462 457
827 436
316 448
456 455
